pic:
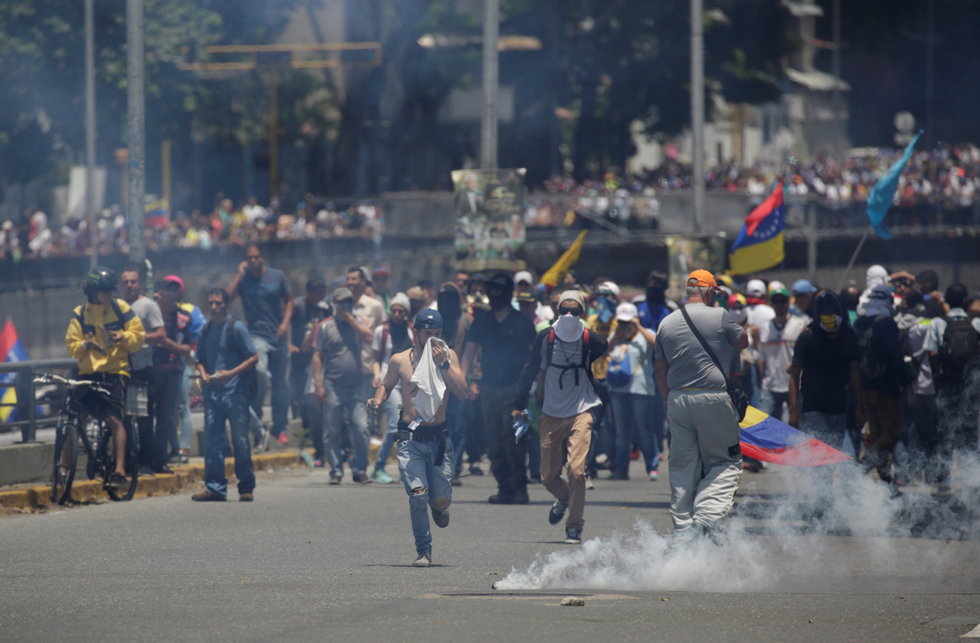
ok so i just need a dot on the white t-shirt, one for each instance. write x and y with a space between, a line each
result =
759 315
386 353
777 352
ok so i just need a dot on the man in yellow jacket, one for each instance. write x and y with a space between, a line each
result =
101 335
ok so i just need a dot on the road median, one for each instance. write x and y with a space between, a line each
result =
183 476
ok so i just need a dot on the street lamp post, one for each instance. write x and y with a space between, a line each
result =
136 124
491 34
697 113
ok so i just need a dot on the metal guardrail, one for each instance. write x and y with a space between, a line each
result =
24 386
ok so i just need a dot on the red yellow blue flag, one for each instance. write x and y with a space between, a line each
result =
765 438
11 350
759 245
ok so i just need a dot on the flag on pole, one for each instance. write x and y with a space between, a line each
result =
765 438
565 262
759 245
11 350
880 198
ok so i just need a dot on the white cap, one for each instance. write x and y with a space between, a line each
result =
755 288
777 285
523 275
626 312
611 287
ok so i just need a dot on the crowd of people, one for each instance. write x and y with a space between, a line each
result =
227 225
575 376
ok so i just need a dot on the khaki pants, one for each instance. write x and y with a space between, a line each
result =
884 414
705 457
566 441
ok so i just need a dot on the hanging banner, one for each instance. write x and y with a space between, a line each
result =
489 207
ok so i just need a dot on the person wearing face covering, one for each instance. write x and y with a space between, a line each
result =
875 276
657 306
604 323
449 303
882 369
390 338
505 337
825 360
562 357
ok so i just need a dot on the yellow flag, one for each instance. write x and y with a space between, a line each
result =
566 261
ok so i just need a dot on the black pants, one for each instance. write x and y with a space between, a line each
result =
508 457
599 431
923 437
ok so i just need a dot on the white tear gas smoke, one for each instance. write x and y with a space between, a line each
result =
770 538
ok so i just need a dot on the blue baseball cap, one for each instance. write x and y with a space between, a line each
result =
428 319
802 286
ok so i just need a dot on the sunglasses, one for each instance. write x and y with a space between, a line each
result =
569 311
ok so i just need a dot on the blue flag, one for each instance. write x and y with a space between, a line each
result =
883 192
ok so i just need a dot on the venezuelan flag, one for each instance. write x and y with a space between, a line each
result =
765 438
760 243
157 213
11 350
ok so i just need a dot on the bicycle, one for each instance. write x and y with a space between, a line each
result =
98 444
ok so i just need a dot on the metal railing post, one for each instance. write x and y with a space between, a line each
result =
30 434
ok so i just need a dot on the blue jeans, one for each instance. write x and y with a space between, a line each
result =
184 409
352 399
457 430
393 412
271 369
231 408
166 391
417 466
631 413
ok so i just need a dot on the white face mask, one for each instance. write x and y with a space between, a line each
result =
739 315
568 328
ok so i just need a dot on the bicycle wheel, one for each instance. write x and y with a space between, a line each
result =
132 468
65 444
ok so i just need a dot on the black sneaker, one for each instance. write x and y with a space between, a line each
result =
146 470
363 478
520 498
475 470
424 560
573 536
557 512
501 499
116 481
163 469
456 482
335 478
441 518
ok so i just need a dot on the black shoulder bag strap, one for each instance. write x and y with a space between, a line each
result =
739 399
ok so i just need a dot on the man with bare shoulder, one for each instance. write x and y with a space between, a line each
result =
428 372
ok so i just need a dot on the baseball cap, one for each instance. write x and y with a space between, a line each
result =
608 286
702 279
342 293
755 288
779 292
526 298
523 275
175 279
428 319
503 280
626 312
415 293
736 300
776 285
802 287
380 272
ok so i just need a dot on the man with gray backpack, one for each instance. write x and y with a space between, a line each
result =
562 357
957 338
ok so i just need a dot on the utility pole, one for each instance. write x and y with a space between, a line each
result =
836 64
90 128
491 34
697 113
930 72
136 125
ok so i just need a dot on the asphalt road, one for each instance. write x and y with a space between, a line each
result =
312 562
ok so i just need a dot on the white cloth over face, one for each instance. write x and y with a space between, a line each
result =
568 328
432 385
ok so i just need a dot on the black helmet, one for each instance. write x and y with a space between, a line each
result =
100 279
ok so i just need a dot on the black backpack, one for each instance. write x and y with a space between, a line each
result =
585 365
871 365
961 345
250 375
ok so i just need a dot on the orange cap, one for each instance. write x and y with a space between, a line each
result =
701 278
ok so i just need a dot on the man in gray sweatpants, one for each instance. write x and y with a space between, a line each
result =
705 458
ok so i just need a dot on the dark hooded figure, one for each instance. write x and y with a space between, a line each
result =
824 363
450 306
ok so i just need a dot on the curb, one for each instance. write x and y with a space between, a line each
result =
183 475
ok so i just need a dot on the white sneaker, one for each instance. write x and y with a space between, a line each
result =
424 560
589 484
